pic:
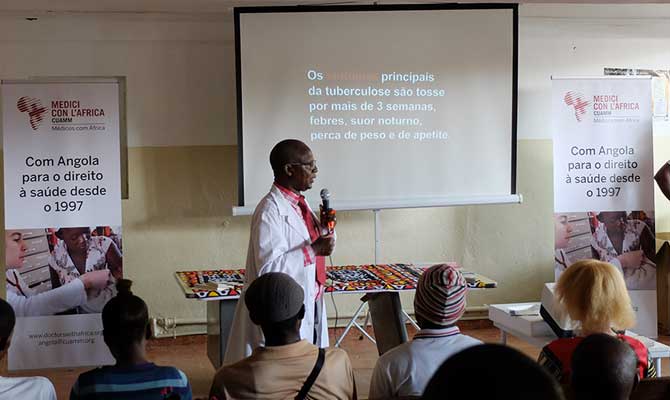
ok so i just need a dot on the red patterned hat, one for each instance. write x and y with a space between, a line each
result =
440 295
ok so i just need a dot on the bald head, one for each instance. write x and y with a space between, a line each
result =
286 152
603 367
293 165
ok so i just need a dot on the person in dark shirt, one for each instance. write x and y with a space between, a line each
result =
125 322
603 367
491 372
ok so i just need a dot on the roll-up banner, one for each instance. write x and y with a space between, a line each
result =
63 233
603 182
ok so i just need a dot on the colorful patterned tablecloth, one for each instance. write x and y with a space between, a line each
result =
370 278
219 284
225 284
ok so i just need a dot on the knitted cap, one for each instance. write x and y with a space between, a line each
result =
273 297
440 296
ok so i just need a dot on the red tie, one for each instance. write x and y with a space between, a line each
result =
308 217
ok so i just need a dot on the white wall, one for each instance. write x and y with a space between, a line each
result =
180 69
180 72
581 40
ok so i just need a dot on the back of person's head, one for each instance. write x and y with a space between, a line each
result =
603 367
489 372
594 293
440 296
7 321
125 319
275 301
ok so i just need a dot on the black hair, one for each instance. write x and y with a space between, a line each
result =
601 215
615 362
59 232
492 372
7 322
285 152
125 318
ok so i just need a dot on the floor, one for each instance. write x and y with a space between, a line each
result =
189 354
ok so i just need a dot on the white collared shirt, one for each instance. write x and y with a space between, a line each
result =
407 369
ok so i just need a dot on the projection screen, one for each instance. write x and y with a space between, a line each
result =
403 106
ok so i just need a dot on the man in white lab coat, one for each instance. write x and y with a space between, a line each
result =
286 237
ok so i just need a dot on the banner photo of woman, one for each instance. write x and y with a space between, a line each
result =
62 270
622 238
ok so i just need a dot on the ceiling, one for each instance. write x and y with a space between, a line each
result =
201 6
653 15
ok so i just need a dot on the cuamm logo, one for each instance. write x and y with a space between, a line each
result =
577 102
34 108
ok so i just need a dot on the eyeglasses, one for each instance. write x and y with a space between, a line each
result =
310 165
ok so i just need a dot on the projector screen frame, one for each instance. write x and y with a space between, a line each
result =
513 197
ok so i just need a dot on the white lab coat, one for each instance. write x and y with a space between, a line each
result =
278 235
56 300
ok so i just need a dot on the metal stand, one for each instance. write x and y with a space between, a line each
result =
354 323
411 321
364 300
365 323
220 314
378 241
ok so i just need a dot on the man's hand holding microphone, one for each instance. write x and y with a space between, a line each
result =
325 244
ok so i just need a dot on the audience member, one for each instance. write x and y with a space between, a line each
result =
594 294
491 372
125 323
286 367
663 179
439 302
37 388
604 368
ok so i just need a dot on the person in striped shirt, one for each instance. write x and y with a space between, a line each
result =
439 302
125 321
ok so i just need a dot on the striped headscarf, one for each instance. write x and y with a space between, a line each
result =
440 295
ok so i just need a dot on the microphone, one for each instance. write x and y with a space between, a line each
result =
328 218
325 199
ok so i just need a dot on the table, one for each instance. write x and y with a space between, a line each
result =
384 283
379 286
533 329
227 284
